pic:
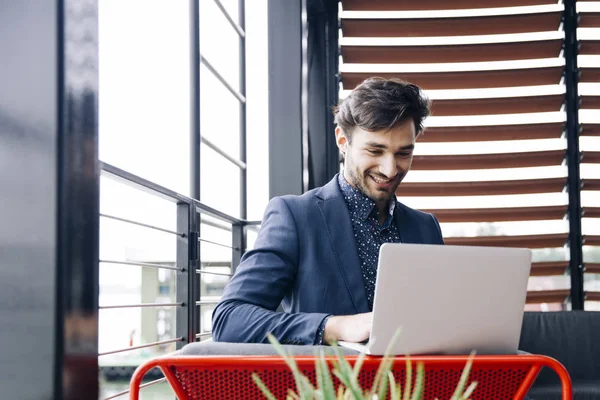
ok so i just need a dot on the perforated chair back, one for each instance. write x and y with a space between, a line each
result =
229 377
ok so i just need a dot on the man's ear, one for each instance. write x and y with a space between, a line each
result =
340 139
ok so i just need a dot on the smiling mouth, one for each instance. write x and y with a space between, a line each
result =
382 181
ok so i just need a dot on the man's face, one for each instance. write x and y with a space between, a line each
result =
376 162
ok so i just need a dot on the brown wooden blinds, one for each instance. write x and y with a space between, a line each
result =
408 5
590 129
453 51
492 161
589 73
436 134
477 79
453 26
589 20
589 47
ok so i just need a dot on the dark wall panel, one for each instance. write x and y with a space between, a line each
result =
48 199
285 90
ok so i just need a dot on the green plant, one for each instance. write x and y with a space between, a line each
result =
348 376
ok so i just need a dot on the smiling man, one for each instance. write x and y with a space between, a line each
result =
316 254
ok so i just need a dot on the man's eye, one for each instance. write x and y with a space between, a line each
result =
374 152
404 154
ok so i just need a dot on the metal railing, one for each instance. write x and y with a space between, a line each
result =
191 213
188 267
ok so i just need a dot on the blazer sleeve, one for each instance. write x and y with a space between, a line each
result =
247 310
438 229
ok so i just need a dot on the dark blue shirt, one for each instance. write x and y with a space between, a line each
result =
368 233
369 236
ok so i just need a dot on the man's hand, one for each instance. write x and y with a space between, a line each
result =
350 328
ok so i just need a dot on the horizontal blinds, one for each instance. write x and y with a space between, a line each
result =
446 47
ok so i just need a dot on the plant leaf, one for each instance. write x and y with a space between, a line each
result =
263 388
383 366
350 389
292 395
340 392
308 390
470 390
323 374
359 363
318 371
383 383
463 378
346 372
393 388
419 382
408 384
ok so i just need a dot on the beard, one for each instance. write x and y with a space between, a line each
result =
363 182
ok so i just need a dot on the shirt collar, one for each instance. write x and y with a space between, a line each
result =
358 203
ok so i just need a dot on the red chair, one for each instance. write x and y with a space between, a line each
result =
229 377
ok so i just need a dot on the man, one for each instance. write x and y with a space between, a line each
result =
316 254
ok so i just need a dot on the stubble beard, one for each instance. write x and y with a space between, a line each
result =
360 182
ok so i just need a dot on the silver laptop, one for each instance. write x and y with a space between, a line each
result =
448 299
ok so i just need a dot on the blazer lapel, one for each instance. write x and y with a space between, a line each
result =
408 233
341 235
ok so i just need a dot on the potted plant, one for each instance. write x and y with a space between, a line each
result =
349 387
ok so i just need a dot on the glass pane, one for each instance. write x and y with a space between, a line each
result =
549 282
251 237
592 282
545 307
122 284
592 305
215 257
206 318
126 284
216 253
504 228
591 254
219 182
144 78
590 226
219 114
121 200
220 43
557 254
492 147
503 174
518 200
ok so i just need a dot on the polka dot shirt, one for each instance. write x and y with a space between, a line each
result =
368 233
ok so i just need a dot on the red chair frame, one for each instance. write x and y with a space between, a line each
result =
212 377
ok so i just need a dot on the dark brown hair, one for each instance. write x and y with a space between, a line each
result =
379 103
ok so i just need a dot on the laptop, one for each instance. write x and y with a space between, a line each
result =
448 299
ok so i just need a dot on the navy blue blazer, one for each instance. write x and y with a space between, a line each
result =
305 259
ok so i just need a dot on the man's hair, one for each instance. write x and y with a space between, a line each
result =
379 103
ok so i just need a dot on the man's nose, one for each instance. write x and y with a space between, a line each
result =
388 167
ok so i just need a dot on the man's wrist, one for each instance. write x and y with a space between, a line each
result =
330 333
